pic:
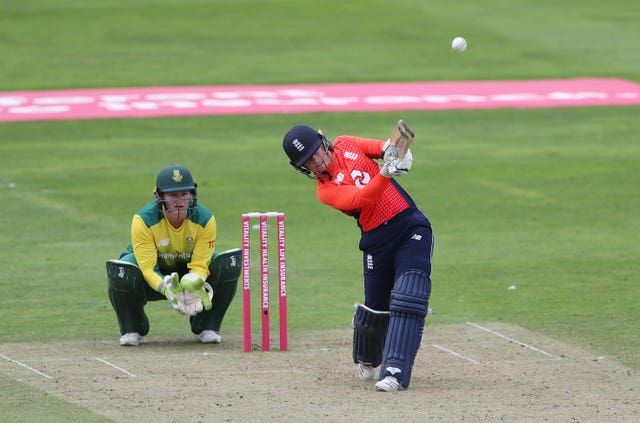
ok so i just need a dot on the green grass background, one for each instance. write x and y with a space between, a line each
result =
545 199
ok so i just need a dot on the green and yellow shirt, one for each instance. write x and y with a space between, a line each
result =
161 249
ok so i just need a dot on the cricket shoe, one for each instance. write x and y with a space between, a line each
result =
208 337
388 384
366 371
131 339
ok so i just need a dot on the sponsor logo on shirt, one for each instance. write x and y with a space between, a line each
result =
174 256
360 178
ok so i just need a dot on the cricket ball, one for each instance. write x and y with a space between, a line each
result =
459 44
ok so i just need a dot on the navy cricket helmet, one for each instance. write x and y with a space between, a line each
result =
300 143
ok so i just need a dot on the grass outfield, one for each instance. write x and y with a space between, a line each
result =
121 43
544 200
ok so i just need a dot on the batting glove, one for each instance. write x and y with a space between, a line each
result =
390 152
397 167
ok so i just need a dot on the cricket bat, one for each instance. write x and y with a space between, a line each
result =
402 137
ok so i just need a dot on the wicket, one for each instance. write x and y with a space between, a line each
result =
263 219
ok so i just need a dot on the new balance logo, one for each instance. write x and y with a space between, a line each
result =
417 237
393 370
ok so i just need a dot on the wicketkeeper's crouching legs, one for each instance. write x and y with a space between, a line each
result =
129 292
225 271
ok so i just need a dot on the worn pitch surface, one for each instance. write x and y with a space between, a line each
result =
464 372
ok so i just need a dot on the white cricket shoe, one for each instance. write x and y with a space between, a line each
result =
366 371
388 384
209 337
131 339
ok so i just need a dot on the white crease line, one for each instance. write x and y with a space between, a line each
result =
455 353
115 367
25 366
531 347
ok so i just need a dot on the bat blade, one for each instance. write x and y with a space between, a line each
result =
402 136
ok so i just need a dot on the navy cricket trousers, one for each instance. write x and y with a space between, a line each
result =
401 244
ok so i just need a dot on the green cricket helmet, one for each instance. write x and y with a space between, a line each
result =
174 178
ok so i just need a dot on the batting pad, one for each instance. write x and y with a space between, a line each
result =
409 306
369 334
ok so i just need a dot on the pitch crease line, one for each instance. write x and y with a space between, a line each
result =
25 366
115 367
531 347
455 353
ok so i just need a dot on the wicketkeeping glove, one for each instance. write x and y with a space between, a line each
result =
171 288
189 304
183 302
194 284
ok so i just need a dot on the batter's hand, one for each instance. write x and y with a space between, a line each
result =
390 152
406 162
397 167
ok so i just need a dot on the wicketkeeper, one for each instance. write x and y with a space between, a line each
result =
396 242
172 256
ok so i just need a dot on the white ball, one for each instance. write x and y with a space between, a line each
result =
459 44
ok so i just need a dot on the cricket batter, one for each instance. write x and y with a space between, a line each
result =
172 256
396 243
